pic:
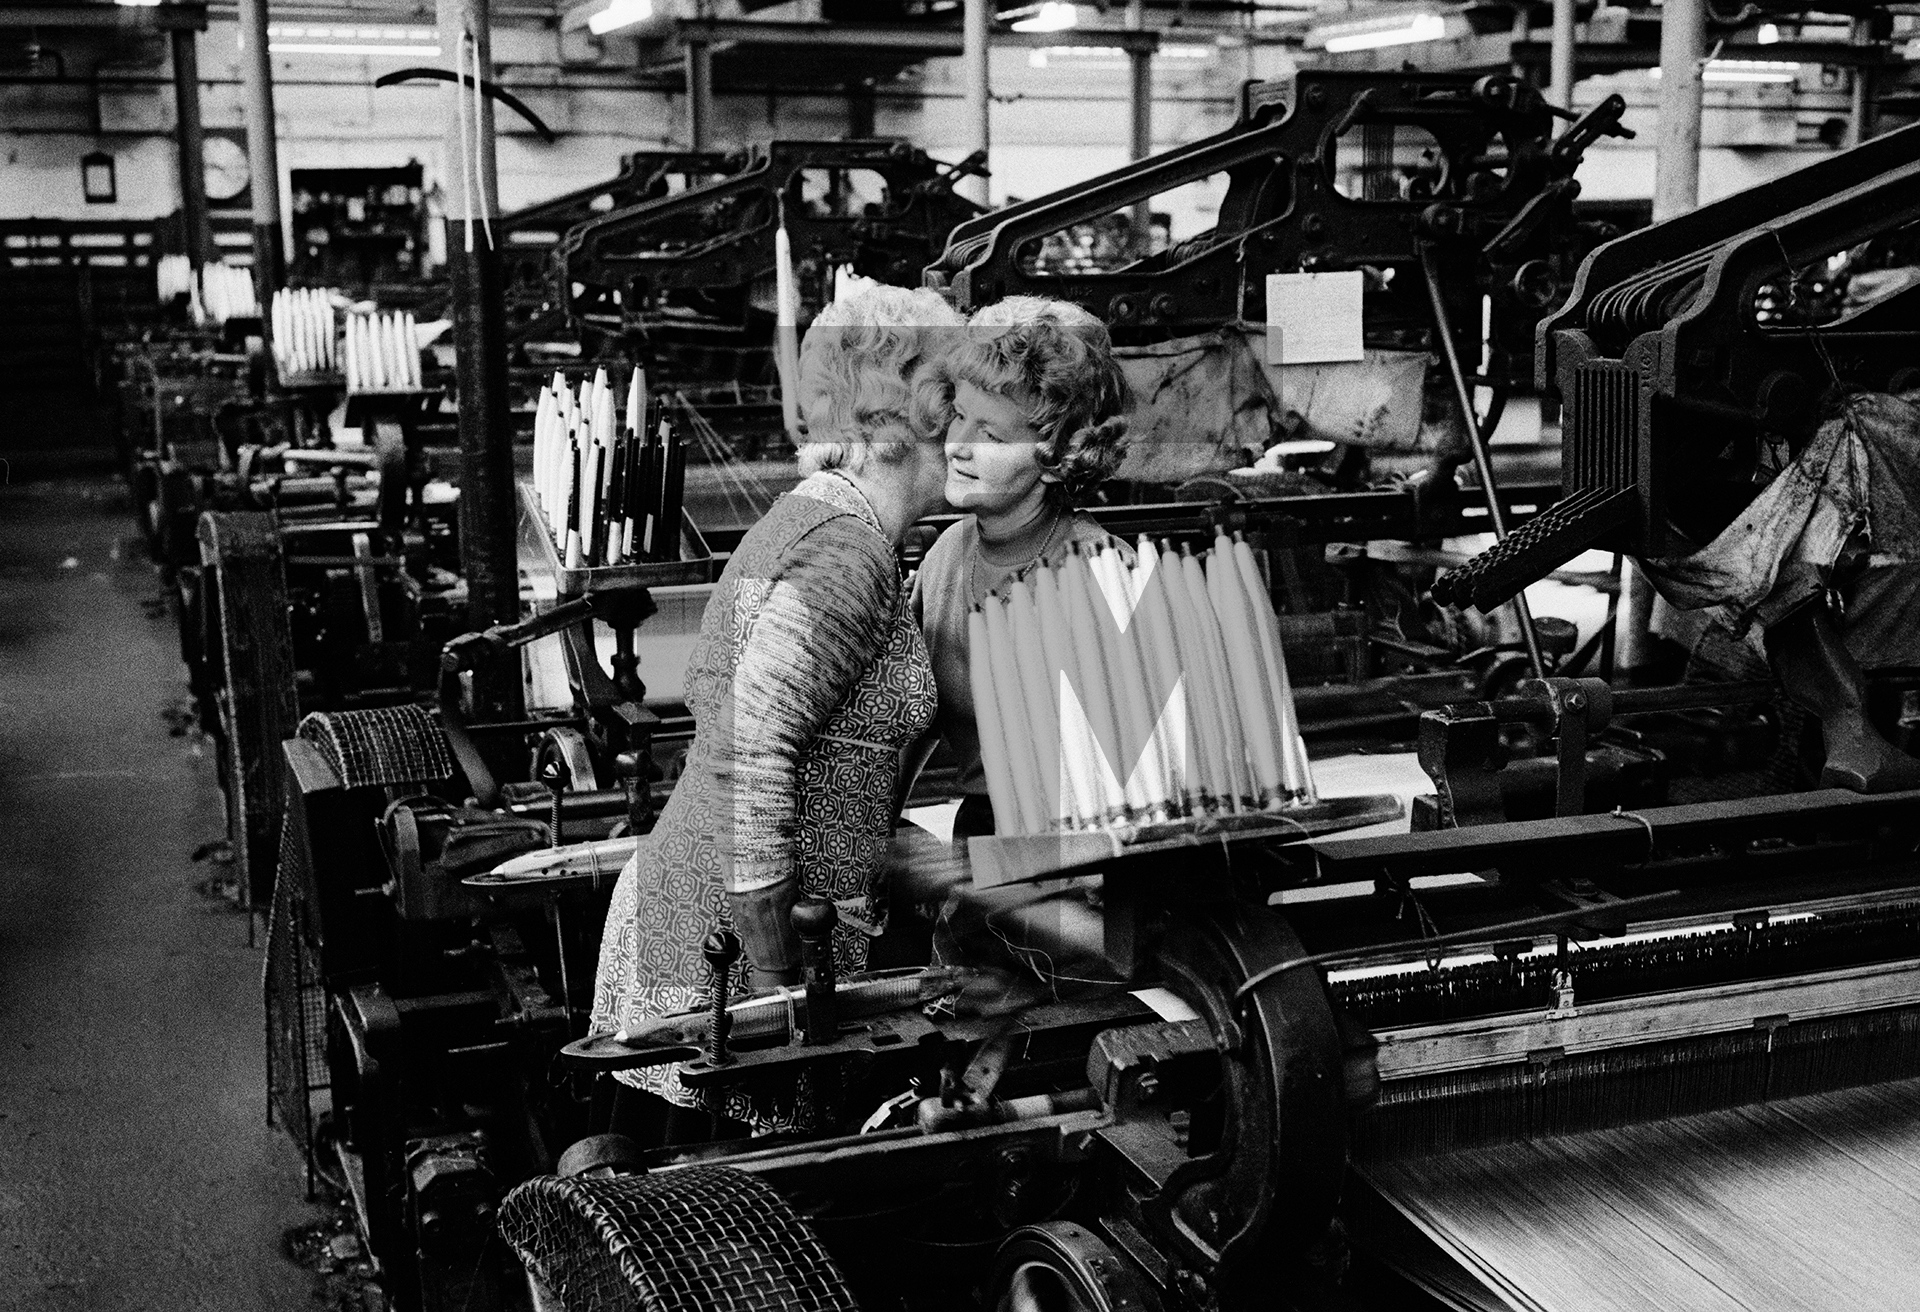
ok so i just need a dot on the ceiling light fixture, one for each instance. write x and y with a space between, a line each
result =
619 14
323 39
138 4
1744 70
1402 30
1053 16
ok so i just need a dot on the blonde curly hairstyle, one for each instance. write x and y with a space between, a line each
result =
1057 362
872 380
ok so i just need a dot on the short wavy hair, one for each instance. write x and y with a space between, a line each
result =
872 378
1057 362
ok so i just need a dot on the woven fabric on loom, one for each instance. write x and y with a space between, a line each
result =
1802 1205
390 745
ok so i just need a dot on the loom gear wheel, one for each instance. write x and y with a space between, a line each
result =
1063 1267
1257 1206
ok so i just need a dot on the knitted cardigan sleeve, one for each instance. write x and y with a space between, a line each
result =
803 638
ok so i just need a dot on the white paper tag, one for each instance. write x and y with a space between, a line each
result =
1314 318
1168 1005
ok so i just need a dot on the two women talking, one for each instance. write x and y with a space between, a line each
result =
818 671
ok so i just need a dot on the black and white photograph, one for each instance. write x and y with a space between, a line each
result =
959 656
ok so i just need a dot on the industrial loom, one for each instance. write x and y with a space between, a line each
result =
1224 1061
1453 201
687 281
1326 171
413 1021
1671 381
1595 1059
529 236
1444 191
1305 1048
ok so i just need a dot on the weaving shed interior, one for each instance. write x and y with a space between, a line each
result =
959 656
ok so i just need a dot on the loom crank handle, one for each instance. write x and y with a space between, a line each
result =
813 920
1482 458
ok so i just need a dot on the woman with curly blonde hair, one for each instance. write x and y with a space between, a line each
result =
1039 404
809 680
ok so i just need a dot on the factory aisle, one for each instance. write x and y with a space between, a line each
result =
137 1170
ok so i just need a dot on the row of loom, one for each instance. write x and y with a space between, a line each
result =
303 333
1179 707
382 354
610 494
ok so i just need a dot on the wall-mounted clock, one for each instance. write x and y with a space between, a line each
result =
227 168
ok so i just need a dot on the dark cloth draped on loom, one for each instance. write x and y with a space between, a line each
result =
1843 517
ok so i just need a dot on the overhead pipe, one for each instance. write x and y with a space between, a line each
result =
699 68
1140 106
976 17
192 138
256 70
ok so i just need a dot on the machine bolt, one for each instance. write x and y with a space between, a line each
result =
1576 701
721 949
557 777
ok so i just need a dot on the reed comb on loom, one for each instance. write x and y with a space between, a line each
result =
1109 694
610 488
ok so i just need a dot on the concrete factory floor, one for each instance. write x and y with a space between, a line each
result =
137 1170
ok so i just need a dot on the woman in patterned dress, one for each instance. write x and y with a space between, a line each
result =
809 680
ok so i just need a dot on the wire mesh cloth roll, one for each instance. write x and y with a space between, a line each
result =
1170 670
699 1239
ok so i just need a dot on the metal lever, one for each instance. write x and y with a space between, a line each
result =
558 778
1443 326
813 920
1603 120
472 651
721 949
974 165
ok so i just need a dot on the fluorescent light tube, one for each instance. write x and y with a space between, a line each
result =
619 14
1054 16
344 48
1421 27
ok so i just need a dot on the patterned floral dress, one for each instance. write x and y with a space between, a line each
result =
809 681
